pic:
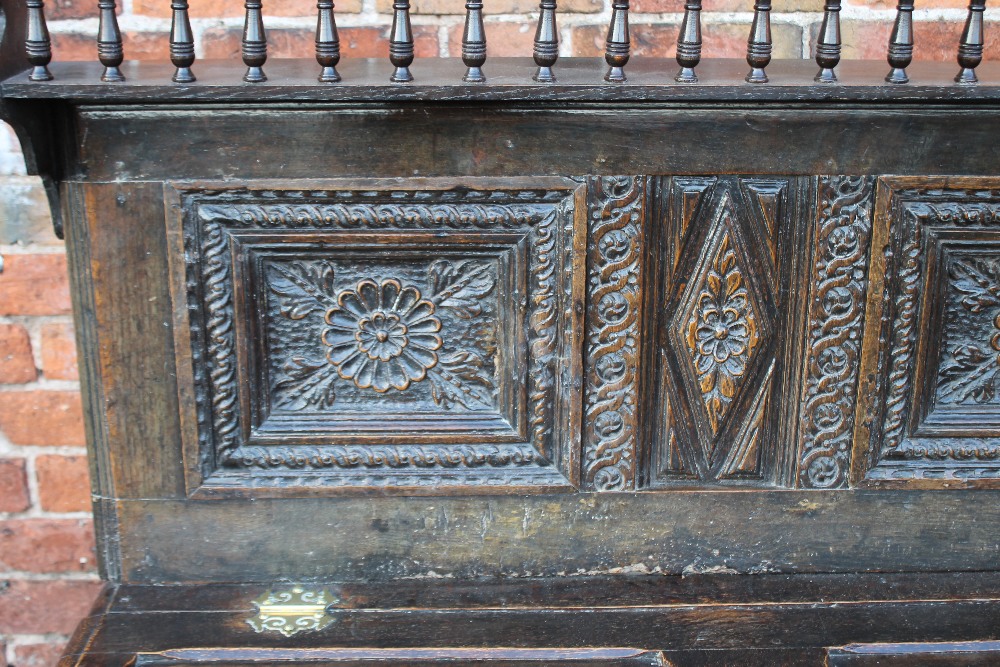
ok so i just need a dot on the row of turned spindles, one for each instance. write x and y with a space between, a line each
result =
546 48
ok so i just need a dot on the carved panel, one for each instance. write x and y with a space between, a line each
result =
936 414
838 283
414 340
616 209
717 308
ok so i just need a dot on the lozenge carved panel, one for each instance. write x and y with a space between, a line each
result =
721 249
418 340
933 408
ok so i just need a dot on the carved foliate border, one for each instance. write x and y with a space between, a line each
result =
914 218
836 316
548 215
615 207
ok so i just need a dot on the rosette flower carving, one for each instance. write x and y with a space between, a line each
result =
382 335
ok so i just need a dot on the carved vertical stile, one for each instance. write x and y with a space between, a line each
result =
616 46
109 42
613 336
254 42
689 43
37 44
546 50
828 44
970 49
401 42
759 42
901 43
836 311
474 42
181 42
327 42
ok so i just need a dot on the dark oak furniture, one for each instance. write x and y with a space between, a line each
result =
531 362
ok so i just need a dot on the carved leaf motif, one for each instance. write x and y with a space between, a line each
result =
302 288
304 385
459 378
978 280
460 286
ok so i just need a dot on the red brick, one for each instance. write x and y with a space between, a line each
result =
891 4
73 9
59 351
147 45
677 6
3 654
17 365
502 39
34 285
526 7
230 8
47 545
38 655
63 483
41 417
73 46
933 40
44 607
724 40
354 43
13 486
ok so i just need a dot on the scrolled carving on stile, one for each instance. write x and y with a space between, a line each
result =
836 319
614 265
542 340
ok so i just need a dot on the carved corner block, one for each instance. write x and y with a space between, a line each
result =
422 341
931 414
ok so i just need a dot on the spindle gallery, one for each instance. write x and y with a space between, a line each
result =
529 361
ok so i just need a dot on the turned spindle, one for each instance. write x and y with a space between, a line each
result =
181 42
401 42
327 42
474 42
37 45
254 42
901 43
546 42
616 46
828 46
109 42
689 43
970 50
759 43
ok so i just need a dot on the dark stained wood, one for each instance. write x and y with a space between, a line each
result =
956 654
970 48
327 42
759 42
37 45
546 49
474 42
901 43
254 44
828 43
689 43
181 42
401 42
109 42
617 44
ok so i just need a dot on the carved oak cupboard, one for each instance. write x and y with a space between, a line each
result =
547 369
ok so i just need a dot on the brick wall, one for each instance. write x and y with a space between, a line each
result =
47 563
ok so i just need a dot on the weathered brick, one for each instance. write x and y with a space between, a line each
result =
503 39
41 417
232 8
73 9
354 43
63 483
59 351
38 655
44 607
891 4
13 486
73 46
47 545
154 46
494 8
24 212
725 40
34 285
17 365
933 40
677 6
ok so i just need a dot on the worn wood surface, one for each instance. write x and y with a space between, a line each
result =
956 654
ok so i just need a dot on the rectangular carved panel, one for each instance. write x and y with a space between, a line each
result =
932 408
722 250
419 339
